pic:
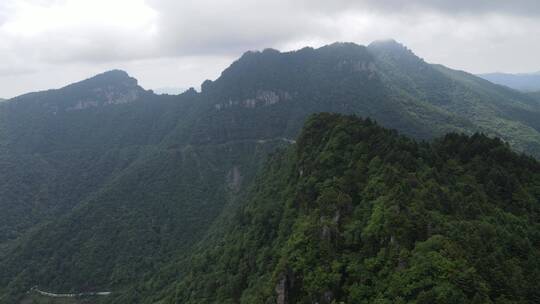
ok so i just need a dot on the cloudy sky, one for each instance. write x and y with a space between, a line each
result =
169 43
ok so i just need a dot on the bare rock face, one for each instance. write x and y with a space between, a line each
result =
261 99
282 290
110 88
327 297
284 287
106 96
234 179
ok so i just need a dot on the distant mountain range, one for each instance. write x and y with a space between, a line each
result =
522 82
107 186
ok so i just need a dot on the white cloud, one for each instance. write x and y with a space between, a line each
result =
47 43
71 30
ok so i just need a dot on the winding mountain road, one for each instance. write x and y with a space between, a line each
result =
69 295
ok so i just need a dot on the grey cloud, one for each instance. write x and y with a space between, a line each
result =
226 26
469 7
232 26
475 35
504 7
16 71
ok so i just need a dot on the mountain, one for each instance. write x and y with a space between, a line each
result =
93 198
107 186
113 87
522 82
462 95
169 90
355 213
535 95
58 146
384 81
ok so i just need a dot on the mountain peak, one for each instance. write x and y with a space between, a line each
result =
349 48
386 43
340 44
389 46
110 87
116 72
108 78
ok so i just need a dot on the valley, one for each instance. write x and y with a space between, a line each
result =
232 193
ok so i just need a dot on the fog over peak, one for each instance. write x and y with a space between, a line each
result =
166 43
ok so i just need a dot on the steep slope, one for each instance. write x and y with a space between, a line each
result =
355 213
96 199
279 90
491 109
522 82
53 156
93 113
535 95
155 208
269 94
104 184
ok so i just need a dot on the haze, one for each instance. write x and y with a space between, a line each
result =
50 43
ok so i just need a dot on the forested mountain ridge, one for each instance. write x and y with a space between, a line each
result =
535 95
52 157
384 81
512 115
355 213
103 184
112 87
105 197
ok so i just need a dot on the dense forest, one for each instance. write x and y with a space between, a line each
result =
107 186
354 213
535 95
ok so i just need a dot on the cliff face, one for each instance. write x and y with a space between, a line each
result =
109 88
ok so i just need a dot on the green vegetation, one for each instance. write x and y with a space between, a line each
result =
106 186
535 95
480 105
355 213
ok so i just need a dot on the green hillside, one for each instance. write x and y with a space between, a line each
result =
535 95
355 213
488 108
107 186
